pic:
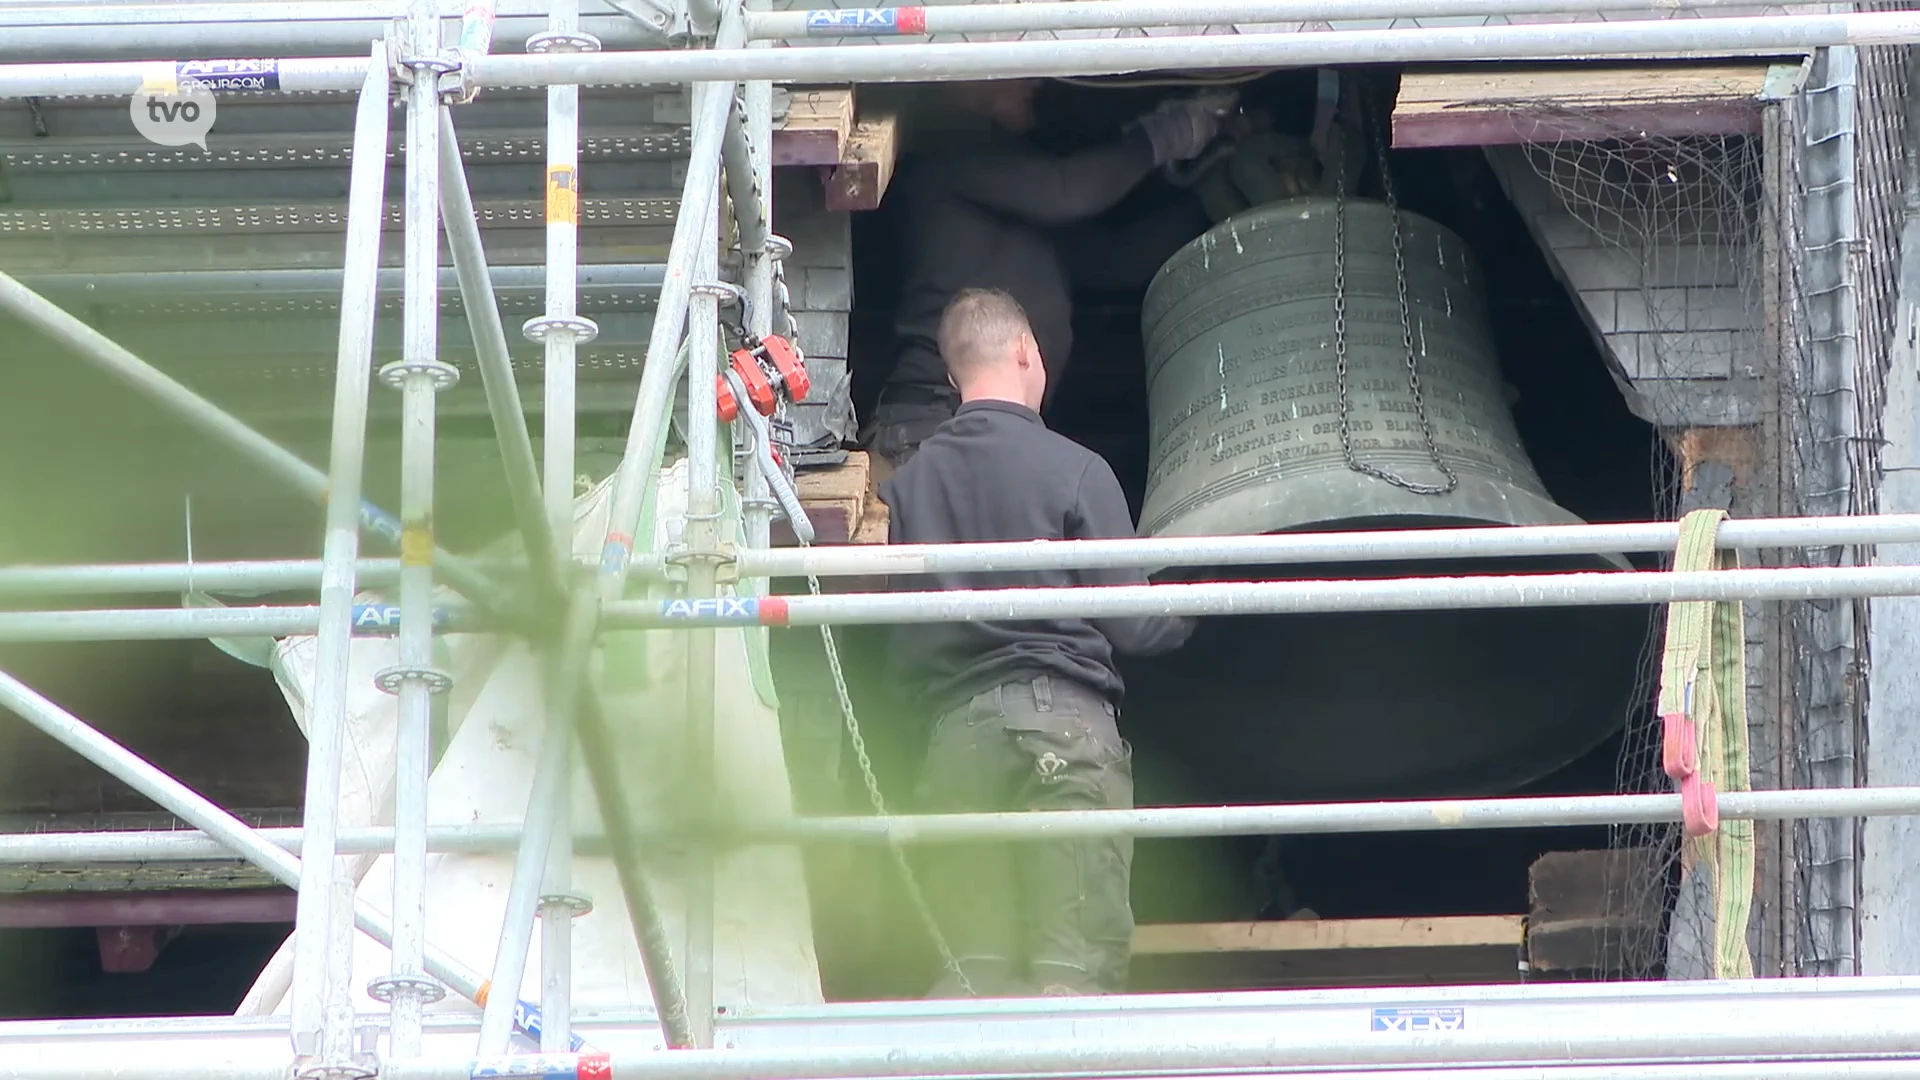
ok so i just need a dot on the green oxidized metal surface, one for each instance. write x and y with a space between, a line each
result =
1243 391
1244 405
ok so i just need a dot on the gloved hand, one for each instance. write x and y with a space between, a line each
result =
1180 130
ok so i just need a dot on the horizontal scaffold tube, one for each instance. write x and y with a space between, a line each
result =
1803 1068
974 60
1169 822
1269 598
964 605
910 20
231 284
186 624
1010 59
1383 546
1719 1035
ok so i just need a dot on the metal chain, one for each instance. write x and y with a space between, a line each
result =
879 801
1406 322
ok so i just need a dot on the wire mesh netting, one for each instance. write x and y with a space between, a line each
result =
1746 281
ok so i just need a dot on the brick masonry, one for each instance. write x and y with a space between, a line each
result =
1679 331
820 294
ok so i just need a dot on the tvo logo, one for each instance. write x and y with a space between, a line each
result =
180 116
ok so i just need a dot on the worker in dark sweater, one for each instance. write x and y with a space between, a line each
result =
1024 713
984 213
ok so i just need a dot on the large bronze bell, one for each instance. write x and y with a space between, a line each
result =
1245 388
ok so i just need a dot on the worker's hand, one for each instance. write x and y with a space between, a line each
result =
1180 130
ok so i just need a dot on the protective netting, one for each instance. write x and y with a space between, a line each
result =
1744 287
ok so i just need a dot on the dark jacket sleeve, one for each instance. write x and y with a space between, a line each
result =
1100 513
1048 189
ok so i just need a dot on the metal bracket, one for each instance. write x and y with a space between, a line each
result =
388 987
538 330
442 374
390 680
559 42
576 904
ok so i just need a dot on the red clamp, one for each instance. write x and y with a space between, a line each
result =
1680 758
759 388
788 370
752 364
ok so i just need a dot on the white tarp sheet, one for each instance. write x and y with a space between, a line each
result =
763 936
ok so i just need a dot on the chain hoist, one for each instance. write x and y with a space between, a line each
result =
1406 321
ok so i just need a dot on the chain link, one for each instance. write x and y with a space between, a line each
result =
1406 321
879 801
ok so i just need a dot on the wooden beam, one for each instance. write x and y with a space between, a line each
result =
859 182
1495 106
1319 935
838 501
817 128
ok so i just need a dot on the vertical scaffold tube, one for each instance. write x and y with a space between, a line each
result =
755 139
419 375
703 542
561 330
313 909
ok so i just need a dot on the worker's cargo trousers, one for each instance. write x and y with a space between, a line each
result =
1044 917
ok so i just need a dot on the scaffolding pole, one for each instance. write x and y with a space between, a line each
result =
703 553
314 1039
1164 822
1753 534
419 376
623 843
560 331
1141 14
239 284
476 284
1267 598
274 30
1805 1068
1720 1035
1395 545
1101 602
640 463
1038 59
1032 59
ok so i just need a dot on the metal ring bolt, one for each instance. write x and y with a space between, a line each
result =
443 375
577 904
390 680
539 329
387 987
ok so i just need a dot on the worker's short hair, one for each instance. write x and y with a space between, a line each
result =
981 327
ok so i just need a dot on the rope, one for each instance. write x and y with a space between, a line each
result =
1703 708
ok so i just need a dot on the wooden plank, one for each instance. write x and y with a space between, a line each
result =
860 181
1502 106
817 127
1314 935
836 500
